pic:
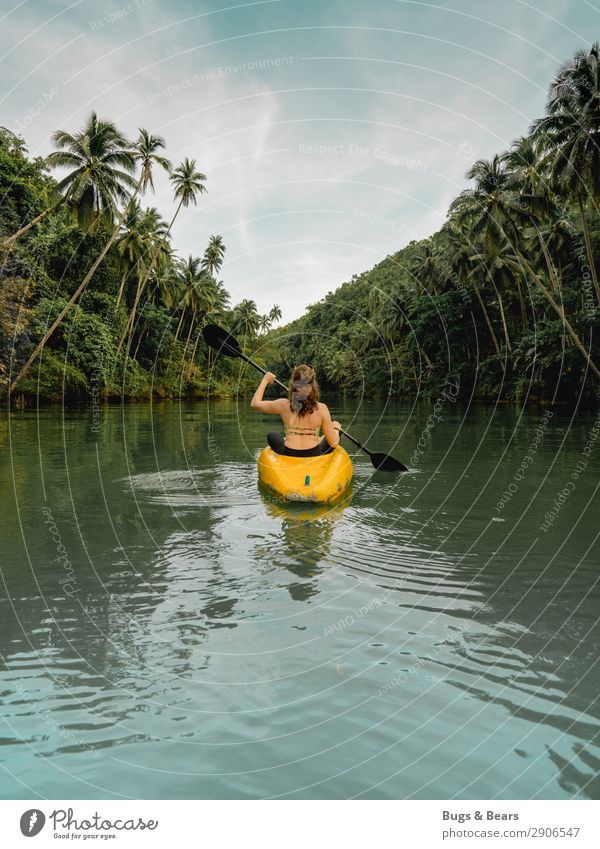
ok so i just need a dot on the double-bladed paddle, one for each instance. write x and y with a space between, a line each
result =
226 344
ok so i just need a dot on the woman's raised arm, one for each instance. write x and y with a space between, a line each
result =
257 402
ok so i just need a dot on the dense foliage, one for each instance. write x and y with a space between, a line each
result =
504 300
94 301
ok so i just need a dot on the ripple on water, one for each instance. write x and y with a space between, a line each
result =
194 488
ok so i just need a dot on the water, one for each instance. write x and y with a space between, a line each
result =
168 631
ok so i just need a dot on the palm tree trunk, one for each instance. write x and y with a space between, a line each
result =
121 287
588 245
187 341
549 264
139 342
503 317
561 313
193 359
487 318
179 326
8 241
129 326
174 217
524 321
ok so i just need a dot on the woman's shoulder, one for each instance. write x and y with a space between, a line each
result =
323 408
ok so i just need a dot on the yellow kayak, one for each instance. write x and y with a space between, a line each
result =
319 479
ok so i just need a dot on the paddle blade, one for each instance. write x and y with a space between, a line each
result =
386 463
221 340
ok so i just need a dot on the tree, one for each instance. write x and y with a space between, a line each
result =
130 245
491 207
502 268
146 154
151 241
275 314
264 323
494 212
570 133
246 319
99 162
425 267
213 300
192 276
107 146
213 255
188 184
460 266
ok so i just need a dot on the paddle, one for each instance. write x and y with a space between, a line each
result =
224 343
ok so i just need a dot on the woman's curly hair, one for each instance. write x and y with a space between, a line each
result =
303 390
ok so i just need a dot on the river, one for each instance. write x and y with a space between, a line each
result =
169 631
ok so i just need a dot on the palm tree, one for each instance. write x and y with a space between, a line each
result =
152 240
390 316
213 300
246 319
493 211
220 302
275 314
460 251
99 162
130 244
104 148
553 234
425 267
502 269
130 241
213 255
526 168
200 299
188 184
215 312
102 164
170 286
264 323
147 156
570 132
192 276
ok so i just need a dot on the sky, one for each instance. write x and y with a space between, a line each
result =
331 133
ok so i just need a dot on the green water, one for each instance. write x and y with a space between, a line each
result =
168 631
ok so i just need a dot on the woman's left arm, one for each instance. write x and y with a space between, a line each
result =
257 402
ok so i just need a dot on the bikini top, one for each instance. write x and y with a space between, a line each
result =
296 430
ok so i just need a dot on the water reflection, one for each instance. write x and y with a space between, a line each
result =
306 531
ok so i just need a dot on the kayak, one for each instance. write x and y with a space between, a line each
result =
319 479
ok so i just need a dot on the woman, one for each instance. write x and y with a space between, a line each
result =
303 416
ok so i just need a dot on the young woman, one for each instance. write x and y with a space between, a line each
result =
303 416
